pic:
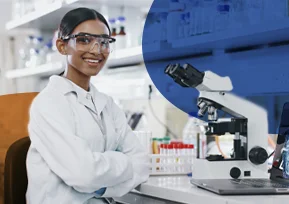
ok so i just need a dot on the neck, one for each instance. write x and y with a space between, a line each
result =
77 77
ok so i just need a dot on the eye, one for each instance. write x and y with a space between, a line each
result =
105 43
83 40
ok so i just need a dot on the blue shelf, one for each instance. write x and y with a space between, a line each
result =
259 34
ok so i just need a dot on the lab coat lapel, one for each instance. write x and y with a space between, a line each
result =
88 104
100 99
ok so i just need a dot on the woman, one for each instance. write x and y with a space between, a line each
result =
82 149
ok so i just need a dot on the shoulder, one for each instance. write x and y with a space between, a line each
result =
49 100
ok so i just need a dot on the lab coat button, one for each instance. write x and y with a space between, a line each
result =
88 96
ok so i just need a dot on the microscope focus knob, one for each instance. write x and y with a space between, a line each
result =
235 172
258 155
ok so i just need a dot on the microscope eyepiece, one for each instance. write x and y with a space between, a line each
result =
186 76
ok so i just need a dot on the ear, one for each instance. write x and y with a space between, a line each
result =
61 46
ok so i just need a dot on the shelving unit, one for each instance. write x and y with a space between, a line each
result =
120 58
43 70
260 34
49 17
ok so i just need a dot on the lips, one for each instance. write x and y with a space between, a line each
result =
93 61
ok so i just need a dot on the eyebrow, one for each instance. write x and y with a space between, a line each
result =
82 33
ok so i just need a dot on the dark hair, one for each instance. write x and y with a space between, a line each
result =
75 17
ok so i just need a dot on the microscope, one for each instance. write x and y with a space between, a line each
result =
248 123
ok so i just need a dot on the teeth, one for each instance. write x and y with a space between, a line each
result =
92 61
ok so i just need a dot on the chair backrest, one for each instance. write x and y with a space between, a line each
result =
14 117
15 174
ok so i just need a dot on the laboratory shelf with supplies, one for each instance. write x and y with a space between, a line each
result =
178 189
122 57
48 16
43 70
263 33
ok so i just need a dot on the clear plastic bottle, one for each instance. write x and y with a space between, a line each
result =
254 11
181 27
198 10
17 9
34 58
24 52
222 20
187 25
239 17
191 130
44 53
208 15
28 6
48 50
121 38
163 19
166 140
38 43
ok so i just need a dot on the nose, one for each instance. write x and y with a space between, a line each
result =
97 50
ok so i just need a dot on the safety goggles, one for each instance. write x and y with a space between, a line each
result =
86 42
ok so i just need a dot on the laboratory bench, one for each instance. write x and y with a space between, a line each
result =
178 190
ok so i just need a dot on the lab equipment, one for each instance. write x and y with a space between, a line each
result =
248 123
255 11
121 38
278 182
181 27
24 52
208 15
222 20
174 158
191 130
145 138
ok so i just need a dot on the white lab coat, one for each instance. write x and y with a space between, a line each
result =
74 152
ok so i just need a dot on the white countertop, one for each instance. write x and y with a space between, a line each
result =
179 189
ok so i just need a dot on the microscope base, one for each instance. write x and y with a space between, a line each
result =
204 169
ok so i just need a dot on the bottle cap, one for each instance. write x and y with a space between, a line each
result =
121 18
180 146
191 146
166 146
40 39
186 146
162 146
112 21
155 139
175 146
170 146
160 139
166 138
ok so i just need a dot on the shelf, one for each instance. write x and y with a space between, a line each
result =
133 55
49 17
120 58
126 57
259 34
43 70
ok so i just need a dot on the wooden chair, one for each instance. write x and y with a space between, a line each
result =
14 117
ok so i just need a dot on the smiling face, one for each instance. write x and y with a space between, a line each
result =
90 62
